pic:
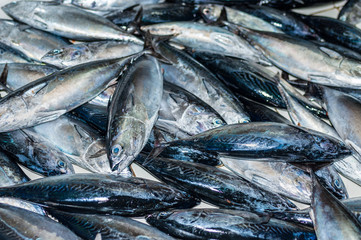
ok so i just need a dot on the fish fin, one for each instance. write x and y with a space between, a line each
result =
331 53
27 135
285 76
99 153
220 20
49 116
35 90
151 45
134 26
319 79
3 79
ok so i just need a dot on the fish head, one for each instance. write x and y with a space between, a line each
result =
52 161
64 57
210 12
332 181
127 144
327 147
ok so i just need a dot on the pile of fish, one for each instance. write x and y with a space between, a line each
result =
189 90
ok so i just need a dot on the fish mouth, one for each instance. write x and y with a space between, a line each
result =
119 164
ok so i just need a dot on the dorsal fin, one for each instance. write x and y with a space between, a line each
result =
151 45
134 26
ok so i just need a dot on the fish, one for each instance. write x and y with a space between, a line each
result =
285 179
66 21
133 111
285 21
50 97
206 38
79 53
17 223
331 218
350 13
155 13
11 174
226 224
31 42
305 60
187 73
264 141
341 33
105 5
35 153
100 193
216 186
108 226
212 12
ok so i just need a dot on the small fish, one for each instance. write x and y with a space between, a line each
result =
109 227
216 186
17 223
87 52
133 111
66 21
227 224
101 193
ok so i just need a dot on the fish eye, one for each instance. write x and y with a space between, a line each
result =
337 183
116 150
61 164
75 55
217 121
57 51
206 11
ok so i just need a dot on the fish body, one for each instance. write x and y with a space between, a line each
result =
50 97
10 55
187 73
105 5
215 186
351 13
206 38
101 193
227 224
258 140
31 42
133 111
109 227
66 21
91 51
17 223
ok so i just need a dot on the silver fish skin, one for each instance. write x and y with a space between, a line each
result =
351 13
107 5
206 223
206 38
66 21
189 74
133 111
10 174
340 104
20 74
10 55
50 97
86 52
31 42
331 218
183 114
83 145
17 223
285 179
211 12
109 227
34 152
306 60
